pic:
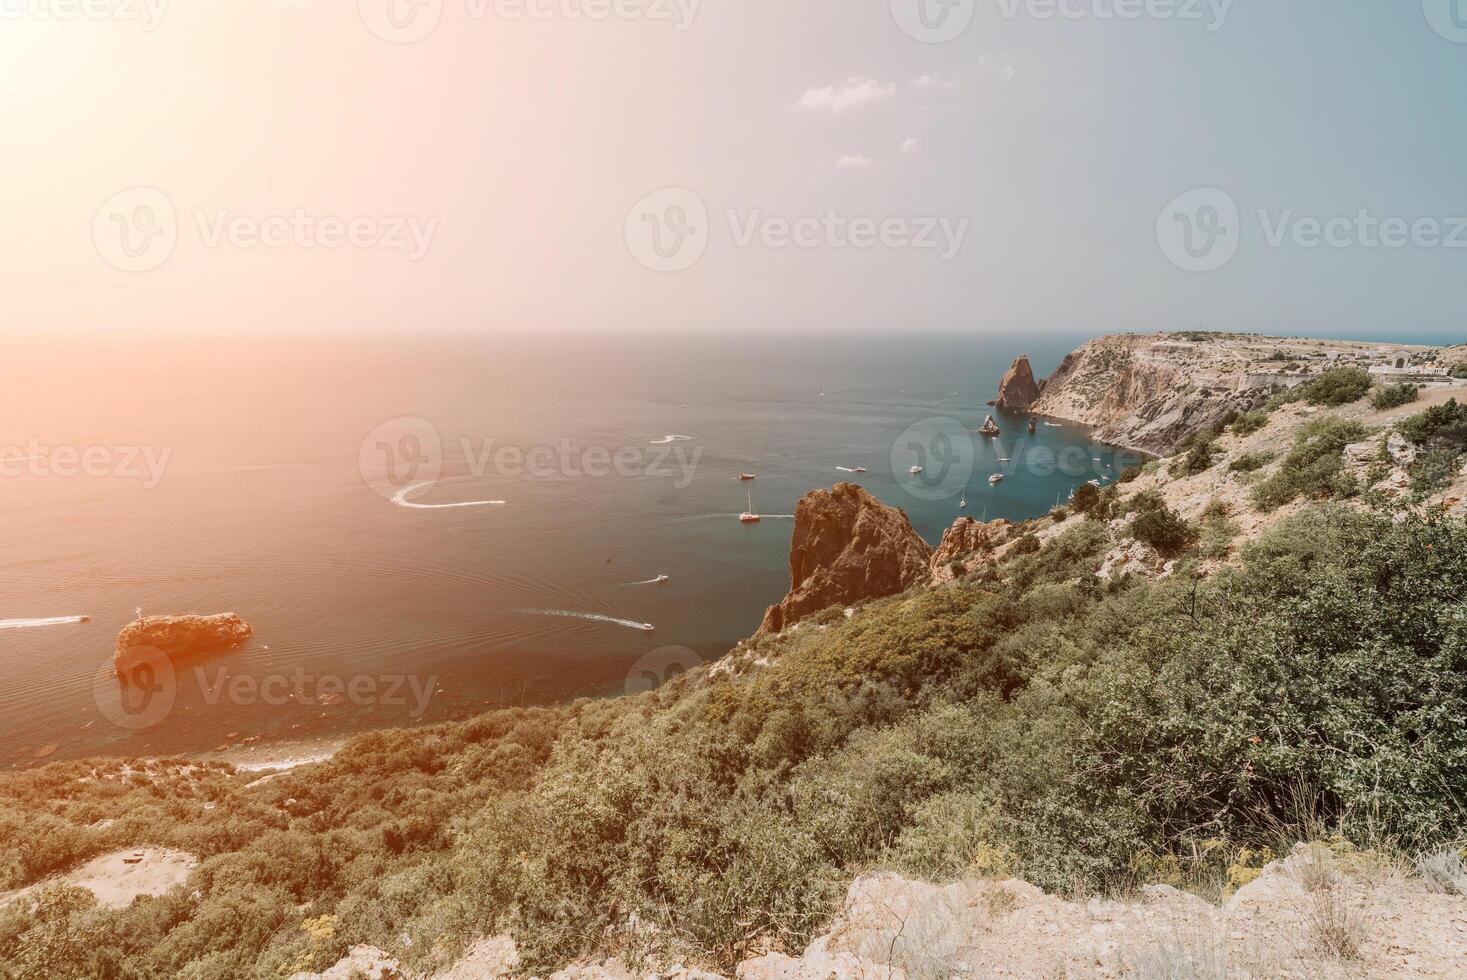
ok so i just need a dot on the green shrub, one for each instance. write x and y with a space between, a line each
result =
1447 422
1394 396
1163 529
1250 422
1198 459
1250 462
1313 468
1087 497
1459 370
1337 386
1130 474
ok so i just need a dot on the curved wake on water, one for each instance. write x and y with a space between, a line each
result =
651 581
592 617
670 438
25 624
711 517
400 498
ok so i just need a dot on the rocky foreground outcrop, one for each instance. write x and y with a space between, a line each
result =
1322 912
966 542
847 546
1018 391
177 636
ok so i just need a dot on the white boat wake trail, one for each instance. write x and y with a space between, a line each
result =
594 617
25 624
401 499
666 439
651 581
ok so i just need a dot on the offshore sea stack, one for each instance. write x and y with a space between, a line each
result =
847 546
177 636
1018 391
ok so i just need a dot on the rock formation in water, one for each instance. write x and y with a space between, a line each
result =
176 636
1018 391
965 540
847 546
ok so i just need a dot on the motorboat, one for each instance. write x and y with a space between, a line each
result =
990 428
747 476
1033 425
963 503
996 478
648 627
915 470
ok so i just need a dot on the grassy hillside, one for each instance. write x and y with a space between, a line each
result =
1029 720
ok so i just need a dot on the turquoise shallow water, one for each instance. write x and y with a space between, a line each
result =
282 459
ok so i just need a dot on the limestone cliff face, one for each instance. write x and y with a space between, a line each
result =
966 540
176 636
1148 392
847 546
1018 391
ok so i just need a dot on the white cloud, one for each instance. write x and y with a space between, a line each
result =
855 161
911 146
933 83
856 91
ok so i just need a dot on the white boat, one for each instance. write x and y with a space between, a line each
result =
996 478
858 469
963 503
990 428
1096 484
915 470
648 627
747 476
748 516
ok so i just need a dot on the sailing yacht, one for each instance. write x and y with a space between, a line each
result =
748 516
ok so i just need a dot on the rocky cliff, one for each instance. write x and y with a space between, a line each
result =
966 540
847 546
1018 391
176 636
1149 392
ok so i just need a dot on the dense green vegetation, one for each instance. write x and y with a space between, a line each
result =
1337 386
1394 396
1314 467
1440 432
1030 719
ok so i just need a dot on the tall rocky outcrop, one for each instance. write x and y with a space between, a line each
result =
967 539
177 636
1018 391
847 546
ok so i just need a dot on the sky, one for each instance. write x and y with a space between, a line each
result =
831 166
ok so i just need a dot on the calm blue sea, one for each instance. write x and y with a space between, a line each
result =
258 476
